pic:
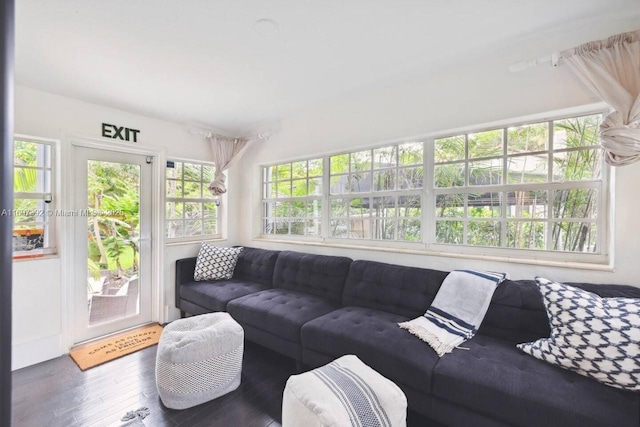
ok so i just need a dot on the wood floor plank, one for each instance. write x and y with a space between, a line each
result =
56 393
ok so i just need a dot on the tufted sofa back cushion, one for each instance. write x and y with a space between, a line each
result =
517 313
256 265
318 275
407 291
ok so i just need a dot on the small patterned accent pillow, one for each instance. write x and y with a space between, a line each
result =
593 336
215 262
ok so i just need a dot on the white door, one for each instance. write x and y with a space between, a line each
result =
112 241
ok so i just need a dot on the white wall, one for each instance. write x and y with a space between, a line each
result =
466 95
39 293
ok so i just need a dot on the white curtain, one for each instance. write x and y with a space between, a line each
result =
611 69
225 151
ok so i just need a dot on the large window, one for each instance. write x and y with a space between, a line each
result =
292 198
34 208
537 186
376 194
191 210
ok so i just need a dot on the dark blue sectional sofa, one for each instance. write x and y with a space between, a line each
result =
316 308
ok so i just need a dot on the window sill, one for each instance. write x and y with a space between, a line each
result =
425 252
194 241
34 257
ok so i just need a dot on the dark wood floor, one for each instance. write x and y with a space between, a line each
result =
57 393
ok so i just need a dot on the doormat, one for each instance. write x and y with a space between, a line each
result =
115 346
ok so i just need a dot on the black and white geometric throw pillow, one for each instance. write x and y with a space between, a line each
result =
593 336
215 263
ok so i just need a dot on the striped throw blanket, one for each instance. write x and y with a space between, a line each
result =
457 310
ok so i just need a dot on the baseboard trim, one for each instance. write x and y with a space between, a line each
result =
32 352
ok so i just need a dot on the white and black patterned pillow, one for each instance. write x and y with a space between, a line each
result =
215 263
593 336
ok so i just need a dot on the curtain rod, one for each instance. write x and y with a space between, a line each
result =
552 59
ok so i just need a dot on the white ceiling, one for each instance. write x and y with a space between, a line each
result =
202 61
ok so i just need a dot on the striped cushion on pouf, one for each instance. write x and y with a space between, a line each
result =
344 392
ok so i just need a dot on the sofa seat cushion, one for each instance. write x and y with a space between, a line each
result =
281 312
375 337
216 295
495 378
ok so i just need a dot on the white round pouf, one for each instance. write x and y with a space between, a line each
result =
345 392
199 359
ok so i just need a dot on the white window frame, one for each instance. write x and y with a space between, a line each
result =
46 208
217 200
428 245
601 185
267 201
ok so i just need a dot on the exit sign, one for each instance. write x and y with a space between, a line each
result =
119 132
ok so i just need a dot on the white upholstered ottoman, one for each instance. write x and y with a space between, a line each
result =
199 358
345 392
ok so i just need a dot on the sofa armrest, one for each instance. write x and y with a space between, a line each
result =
184 274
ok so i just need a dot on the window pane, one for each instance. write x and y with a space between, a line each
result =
208 174
409 230
383 207
576 132
527 204
192 190
360 229
359 207
450 205
360 182
174 210
284 171
526 234
192 228
339 164
314 209
299 188
411 153
313 227
485 144
384 180
339 184
174 189
409 178
384 229
26 210
174 229
449 232
174 172
315 187
409 206
449 175
577 165
487 205
339 228
315 167
384 157
283 210
339 208
483 233
209 211
192 210
26 153
361 161
299 169
192 172
297 226
283 189
575 203
485 172
528 138
574 237
523 169
449 149
210 227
